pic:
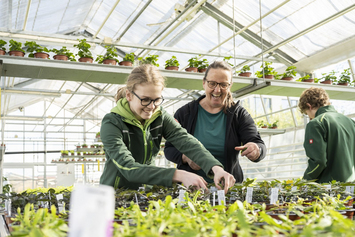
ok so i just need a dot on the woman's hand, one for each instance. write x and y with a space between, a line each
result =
223 177
250 150
192 164
189 179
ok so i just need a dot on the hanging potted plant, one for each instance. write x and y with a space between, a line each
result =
36 50
128 60
110 56
84 51
2 47
269 71
202 65
172 64
193 64
244 72
63 54
306 78
344 79
328 78
289 73
150 59
16 49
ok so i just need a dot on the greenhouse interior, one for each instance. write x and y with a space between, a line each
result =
62 63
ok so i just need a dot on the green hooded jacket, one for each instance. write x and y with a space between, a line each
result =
131 148
330 147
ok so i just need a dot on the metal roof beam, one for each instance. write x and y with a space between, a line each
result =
108 16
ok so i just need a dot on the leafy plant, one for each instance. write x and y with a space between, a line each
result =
244 69
111 53
150 59
2 44
289 72
267 69
193 62
329 76
173 62
33 47
16 46
130 57
306 77
274 124
7 187
226 59
84 49
261 124
202 64
64 51
345 76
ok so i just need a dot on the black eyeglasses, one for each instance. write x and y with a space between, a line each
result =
147 101
222 85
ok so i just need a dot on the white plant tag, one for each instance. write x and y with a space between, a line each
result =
221 197
274 195
294 189
59 197
214 199
91 211
249 195
182 196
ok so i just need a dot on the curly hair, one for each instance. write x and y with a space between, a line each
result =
316 97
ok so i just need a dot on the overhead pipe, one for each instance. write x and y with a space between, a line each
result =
108 16
26 16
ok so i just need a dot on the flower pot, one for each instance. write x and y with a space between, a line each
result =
245 74
308 80
202 70
343 83
17 53
191 69
2 52
349 213
327 82
126 63
273 127
269 76
174 68
287 78
109 61
41 55
60 57
263 126
86 60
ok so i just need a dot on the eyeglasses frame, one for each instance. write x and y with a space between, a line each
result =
162 98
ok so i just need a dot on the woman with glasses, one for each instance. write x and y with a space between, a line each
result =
132 134
221 125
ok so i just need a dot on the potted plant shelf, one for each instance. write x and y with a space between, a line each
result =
193 65
36 50
172 64
16 49
63 54
84 52
128 60
2 47
244 72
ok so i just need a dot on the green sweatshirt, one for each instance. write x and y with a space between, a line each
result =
330 147
131 148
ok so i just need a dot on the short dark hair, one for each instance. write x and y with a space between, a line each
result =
316 97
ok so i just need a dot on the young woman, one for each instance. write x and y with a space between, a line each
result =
132 133
221 125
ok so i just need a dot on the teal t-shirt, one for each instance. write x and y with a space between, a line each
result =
210 130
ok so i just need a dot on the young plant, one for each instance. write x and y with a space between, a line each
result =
289 72
329 76
226 59
2 44
244 69
306 77
273 125
33 47
84 49
16 46
129 57
111 53
150 59
193 62
64 51
345 76
203 64
267 69
173 62
261 124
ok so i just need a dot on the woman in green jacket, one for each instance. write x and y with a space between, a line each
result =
132 134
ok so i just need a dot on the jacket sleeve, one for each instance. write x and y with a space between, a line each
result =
249 133
315 146
188 144
117 151
170 152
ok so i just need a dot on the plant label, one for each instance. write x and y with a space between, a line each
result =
91 211
59 197
274 195
249 195
294 189
349 189
214 199
221 197
182 196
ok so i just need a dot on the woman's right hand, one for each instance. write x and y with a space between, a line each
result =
189 179
192 164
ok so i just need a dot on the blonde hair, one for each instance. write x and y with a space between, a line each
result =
145 73
228 102
316 97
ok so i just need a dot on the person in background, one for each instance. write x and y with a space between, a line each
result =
329 139
221 125
132 134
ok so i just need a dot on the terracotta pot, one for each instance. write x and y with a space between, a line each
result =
263 126
287 78
309 80
245 74
86 60
110 61
41 55
174 68
2 52
202 70
17 53
191 69
350 202
273 127
327 82
126 63
343 83
60 57
269 76
349 213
